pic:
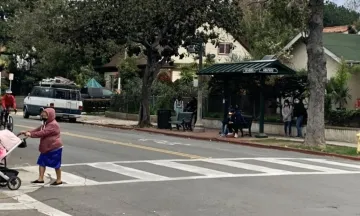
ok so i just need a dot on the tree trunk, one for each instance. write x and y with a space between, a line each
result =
315 129
151 71
144 112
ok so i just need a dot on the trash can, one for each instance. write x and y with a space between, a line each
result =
163 118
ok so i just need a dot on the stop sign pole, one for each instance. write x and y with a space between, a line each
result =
11 78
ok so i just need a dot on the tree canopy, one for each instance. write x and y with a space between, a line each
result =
155 28
335 15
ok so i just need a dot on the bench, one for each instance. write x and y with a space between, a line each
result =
183 119
247 125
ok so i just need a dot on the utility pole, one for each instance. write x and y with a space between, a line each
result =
199 127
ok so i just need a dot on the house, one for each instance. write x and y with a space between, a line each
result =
337 46
225 51
111 71
346 29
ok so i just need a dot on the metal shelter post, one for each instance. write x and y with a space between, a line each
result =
226 97
261 133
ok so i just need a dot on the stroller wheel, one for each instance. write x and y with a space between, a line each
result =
14 183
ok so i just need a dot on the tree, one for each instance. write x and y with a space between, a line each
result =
36 29
335 15
266 26
315 129
156 28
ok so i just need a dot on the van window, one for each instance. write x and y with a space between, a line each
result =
74 95
66 94
41 92
61 94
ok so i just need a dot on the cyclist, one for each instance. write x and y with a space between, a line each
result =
7 101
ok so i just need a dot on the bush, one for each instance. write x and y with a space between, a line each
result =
343 118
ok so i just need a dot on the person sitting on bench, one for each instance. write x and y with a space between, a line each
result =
224 128
237 122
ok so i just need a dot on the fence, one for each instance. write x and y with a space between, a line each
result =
212 105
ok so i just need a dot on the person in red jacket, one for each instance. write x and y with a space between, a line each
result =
7 101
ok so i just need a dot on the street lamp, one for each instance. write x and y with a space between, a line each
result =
11 78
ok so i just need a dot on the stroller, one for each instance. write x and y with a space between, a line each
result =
8 143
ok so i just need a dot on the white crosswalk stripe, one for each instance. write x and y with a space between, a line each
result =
301 165
248 166
190 168
333 163
128 171
69 178
269 167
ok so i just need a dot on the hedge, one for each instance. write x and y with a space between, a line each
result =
343 118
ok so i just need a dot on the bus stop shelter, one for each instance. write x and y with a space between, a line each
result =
232 71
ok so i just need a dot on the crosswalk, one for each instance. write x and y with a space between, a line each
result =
120 172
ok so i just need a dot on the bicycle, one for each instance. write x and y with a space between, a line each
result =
9 121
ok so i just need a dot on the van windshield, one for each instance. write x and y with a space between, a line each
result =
66 94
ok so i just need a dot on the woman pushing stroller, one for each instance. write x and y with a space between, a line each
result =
50 145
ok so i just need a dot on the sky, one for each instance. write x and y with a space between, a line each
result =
339 2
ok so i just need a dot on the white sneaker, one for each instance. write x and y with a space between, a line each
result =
236 135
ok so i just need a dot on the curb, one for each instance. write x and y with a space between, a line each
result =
243 143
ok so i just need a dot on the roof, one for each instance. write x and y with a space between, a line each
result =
345 46
336 29
337 46
269 67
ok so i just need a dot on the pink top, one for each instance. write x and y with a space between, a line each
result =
49 133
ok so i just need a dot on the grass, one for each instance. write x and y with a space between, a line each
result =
341 150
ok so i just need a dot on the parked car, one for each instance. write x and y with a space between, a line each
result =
65 99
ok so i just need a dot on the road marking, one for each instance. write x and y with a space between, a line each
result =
210 177
302 165
170 160
139 174
323 161
190 168
126 144
204 173
31 203
164 142
247 166
66 177
12 206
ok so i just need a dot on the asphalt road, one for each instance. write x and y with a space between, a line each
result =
110 172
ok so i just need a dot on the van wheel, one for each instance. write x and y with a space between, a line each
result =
72 120
26 113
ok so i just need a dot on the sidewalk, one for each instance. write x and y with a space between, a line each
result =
209 134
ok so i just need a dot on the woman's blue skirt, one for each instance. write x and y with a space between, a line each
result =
51 159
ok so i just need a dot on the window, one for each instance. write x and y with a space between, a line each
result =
225 48
41 92
75 95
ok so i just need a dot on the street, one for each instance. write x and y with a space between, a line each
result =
108 172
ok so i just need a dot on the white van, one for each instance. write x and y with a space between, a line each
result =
65 99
